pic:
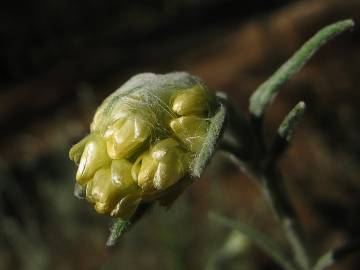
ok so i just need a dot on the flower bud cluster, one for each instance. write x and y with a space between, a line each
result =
142 142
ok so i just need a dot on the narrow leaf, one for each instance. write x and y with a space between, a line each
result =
288 125
116 231
331 257
325 261
267 91
260 239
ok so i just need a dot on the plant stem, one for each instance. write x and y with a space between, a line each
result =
263 168
262 164
259 238
272 185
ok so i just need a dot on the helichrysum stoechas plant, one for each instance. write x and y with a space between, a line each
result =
144 139
156 132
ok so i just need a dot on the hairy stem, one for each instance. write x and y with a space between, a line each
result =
272 185
262 164
263 169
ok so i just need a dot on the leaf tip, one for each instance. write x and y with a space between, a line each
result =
116 230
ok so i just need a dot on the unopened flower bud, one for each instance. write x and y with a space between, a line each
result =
162 166
77 150
93 157
126 135
109 185
192 101
145 139
190 130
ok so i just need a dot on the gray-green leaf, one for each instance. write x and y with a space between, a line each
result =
266 92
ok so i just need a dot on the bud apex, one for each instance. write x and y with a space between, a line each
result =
77 150
191 101
109 185
125 136
190 130
92 158
162 166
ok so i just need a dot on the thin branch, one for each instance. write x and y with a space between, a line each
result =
273 187
268 176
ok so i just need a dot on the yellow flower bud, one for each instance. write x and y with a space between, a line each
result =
161 167
98 189
92 158
157 120
109 185
121 173
191 101
144 170
190 130
125 136
77 150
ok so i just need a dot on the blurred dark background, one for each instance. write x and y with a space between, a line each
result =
59 59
